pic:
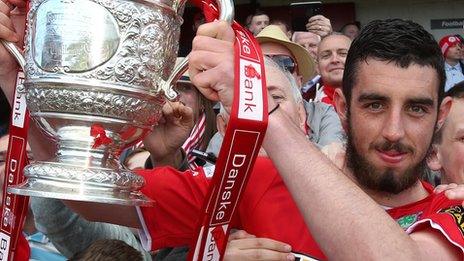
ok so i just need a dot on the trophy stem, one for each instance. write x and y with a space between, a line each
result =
81 172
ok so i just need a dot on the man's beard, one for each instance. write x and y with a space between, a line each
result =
387 181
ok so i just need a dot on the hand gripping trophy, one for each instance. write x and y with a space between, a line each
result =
97 75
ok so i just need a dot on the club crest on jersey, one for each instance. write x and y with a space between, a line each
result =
457 212
406 221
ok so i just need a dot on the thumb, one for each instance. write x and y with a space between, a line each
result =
186 116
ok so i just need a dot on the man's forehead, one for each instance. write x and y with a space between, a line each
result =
271 48
262 17
335 42
389 79
301 36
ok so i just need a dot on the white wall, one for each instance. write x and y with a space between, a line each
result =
420 11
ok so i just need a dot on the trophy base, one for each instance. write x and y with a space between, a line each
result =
71 188
45 189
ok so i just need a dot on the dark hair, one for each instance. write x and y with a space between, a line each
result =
393 40
108 250
456 92
355 23
250 17
280 21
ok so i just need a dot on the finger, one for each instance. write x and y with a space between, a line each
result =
167 108
261 243
202 80
318 18
204 60
263 254
6 21
201 42
240 234
318 27
5 8
186 116
219 29
441 188
8 34
455 193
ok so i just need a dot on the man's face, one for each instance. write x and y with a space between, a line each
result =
258 23
451 149
280 90
454 52
309 41
351 31
331 59
392 117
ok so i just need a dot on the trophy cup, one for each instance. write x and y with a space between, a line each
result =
96 76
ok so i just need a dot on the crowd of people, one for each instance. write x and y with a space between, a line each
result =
362 158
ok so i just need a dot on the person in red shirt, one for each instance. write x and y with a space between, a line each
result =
390 104
331 56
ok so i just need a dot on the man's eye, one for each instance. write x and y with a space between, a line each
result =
375 106
277 97
416 109
325 56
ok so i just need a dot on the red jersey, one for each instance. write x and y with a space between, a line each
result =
266 210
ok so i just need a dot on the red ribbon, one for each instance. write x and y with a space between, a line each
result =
14 207
244 135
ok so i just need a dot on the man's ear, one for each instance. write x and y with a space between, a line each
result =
434 159
221 124
302 117
341 107
299 81
444 110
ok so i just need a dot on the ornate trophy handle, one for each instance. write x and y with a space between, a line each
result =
226 13
15 52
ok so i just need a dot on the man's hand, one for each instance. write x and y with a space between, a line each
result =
319 25
244 246
166 139
211 64
453 191
12 23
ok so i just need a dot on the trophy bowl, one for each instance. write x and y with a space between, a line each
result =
97 73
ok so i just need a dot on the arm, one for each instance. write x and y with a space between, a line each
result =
70 233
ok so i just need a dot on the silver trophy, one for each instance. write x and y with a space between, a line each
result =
96 76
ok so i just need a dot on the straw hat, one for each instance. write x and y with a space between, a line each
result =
306 65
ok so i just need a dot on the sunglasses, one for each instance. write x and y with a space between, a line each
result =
284 61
